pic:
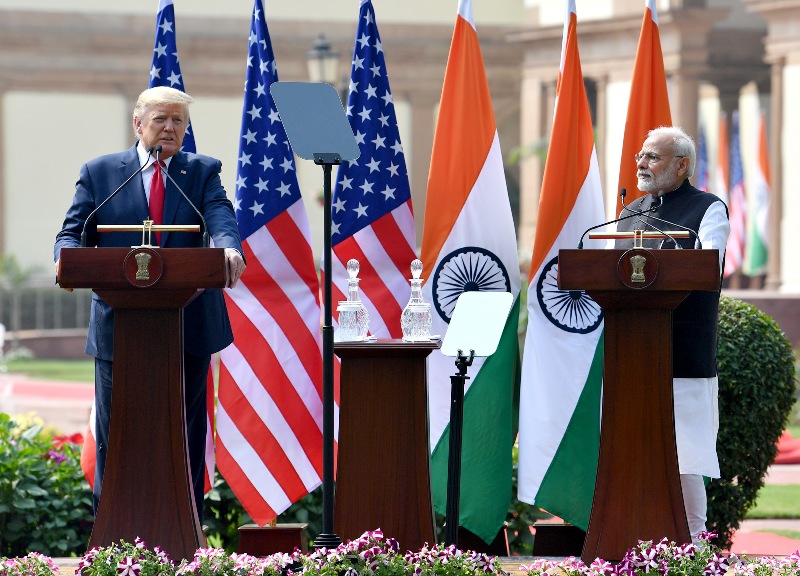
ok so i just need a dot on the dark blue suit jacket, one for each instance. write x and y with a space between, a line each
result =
206 325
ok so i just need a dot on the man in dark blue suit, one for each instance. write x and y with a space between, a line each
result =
159 120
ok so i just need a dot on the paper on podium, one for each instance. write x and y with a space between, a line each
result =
314 120
477 323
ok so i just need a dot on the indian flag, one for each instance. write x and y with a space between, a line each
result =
469 243
648 104
559 431
756 258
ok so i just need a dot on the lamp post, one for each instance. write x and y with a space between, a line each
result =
323 61
323 66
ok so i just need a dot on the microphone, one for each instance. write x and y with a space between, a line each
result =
661 201
110 196
637 213
646 223
185 197
657 229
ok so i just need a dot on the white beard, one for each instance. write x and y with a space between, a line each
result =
654 183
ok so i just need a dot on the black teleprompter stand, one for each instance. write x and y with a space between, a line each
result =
318 130
476 325
457 384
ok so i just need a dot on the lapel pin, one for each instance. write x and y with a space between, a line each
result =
183 171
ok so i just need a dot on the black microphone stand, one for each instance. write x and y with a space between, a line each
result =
646 223
110 196
661 198
165 172
622 194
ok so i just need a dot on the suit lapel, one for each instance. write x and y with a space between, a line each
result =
129 165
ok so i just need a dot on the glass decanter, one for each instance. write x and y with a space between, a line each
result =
416 318
353 316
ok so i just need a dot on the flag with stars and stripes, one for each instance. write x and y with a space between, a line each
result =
372 217
269 415
166 69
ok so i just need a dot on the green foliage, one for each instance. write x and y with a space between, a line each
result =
756 391
45 502
520 518
222 516
307 510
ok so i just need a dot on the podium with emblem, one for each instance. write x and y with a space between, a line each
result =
147 488
637 493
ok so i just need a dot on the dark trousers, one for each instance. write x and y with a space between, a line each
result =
195 374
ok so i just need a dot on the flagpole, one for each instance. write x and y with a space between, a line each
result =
327 538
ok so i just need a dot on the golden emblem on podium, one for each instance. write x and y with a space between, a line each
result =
142 265
638 262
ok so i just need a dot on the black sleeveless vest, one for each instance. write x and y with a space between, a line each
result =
694 321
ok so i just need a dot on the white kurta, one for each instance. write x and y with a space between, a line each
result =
696 405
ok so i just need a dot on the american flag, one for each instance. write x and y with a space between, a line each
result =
166 69
269 415
372 218
737 204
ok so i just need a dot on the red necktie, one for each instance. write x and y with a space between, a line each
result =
157 198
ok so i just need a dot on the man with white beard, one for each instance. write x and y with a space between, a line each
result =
665 163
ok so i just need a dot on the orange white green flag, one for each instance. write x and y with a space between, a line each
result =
469 243
559 431
755 261
648 104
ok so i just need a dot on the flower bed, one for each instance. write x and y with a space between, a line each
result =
374 555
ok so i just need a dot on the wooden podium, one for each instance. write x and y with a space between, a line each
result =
637 492
147 489
383 471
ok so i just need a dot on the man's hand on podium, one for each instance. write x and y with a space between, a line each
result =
58 275
235 264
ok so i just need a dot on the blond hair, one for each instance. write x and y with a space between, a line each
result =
157 96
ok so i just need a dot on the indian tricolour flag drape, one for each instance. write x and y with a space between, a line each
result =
559 432
469 243
648 104
758 237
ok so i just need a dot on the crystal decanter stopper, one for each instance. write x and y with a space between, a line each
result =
416 318
353 316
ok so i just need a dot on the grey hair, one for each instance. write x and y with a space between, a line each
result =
157 96
682 143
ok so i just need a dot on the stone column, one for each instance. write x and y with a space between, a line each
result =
423 125
535 96
2 171
601 121
685 103
773 279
